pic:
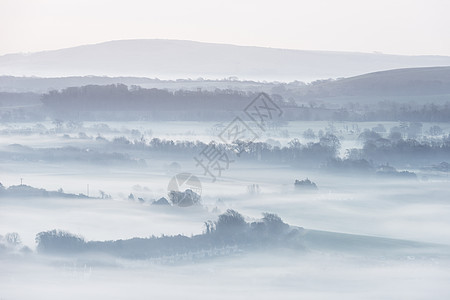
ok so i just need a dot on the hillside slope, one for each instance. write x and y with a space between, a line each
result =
184 59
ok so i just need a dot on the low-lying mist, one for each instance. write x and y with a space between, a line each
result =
367 226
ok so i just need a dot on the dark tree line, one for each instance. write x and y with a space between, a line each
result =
308 154
118 97
392 111
230 229
396 149
120 102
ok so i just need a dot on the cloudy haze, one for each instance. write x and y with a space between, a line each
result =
224 150
394 27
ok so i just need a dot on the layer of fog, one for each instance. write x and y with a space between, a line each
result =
262 275
414 210
407 209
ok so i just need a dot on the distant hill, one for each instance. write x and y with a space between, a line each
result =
400 82
188 59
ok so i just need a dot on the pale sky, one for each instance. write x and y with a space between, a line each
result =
388 26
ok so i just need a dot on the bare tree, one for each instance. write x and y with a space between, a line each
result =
13 238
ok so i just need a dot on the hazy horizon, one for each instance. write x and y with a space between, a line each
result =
214 43
174 59
400 27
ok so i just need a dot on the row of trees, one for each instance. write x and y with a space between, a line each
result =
401 151
312 153
230 229
118 97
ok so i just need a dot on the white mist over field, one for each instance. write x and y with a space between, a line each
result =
261 275
415 210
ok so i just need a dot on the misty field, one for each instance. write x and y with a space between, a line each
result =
362 232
